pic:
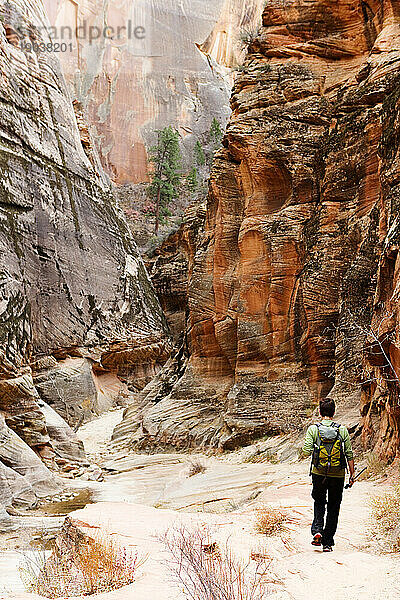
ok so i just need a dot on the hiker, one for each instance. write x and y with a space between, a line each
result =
330 446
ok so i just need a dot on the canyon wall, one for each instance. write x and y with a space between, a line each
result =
77 308
176 70
298 263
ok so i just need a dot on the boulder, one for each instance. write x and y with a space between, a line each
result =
64 441
69 389
23 475
19 402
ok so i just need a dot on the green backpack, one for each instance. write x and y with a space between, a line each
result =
328 451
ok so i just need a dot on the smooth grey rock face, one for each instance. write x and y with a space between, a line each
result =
64 440
29 477
70 273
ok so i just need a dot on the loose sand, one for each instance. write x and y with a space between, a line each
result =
154 493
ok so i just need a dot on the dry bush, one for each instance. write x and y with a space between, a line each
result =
93 567
261 552
208 572
376 466
270 521
249 36
196 467
385 520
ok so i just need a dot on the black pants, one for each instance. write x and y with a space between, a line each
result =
333 487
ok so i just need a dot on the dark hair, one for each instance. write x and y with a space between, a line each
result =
327 407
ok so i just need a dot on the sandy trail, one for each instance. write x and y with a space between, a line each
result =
153 493
301 572
96 434
351 571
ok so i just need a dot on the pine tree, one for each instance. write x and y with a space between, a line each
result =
199 154
164 186
192 180
216 133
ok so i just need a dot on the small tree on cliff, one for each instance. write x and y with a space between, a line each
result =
216 133
374 345
164 186
249 36
215 136
199 154
192 181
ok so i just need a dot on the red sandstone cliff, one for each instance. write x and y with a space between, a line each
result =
301 237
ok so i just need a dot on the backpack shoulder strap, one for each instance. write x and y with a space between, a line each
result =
318 425
342 452
317 446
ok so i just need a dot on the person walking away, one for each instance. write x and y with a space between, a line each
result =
330 446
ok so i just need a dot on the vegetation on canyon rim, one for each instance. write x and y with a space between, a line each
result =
168 181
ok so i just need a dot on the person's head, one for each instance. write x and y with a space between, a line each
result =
327 407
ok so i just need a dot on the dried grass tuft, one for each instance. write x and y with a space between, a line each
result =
376 466
196 467
271 521
385 520
263 456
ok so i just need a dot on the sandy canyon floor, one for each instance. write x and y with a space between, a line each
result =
151 494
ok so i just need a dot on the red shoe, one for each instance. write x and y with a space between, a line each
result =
317 540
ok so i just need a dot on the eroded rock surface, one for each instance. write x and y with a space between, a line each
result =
301 234
23 476
72 284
